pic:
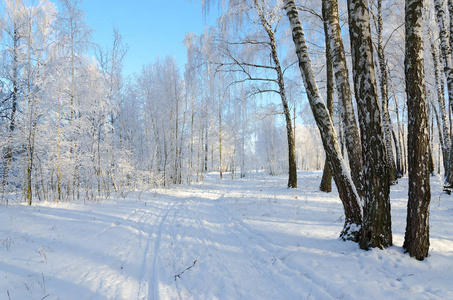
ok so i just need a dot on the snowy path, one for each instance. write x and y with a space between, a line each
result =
243 239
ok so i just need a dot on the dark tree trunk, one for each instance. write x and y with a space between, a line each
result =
416 239
346 189
326 180
431 161
376 230
399 167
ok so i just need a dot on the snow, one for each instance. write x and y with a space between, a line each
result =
232 239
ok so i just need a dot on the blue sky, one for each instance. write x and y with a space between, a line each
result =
151 28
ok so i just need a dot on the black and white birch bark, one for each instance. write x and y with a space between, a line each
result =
416 239
386 122
376 228
346 188
292 166
444 134
444 35
326 180
354 149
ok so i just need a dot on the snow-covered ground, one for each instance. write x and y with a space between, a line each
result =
230 239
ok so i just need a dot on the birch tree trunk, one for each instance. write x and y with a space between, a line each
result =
444 134
398 138
450 23
326 181
376 229
292 180
444 36
220 133
346 188
354 150
386 122
416 239
439 130
30 126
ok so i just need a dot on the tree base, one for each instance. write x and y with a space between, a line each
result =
350 232
369 240
447 189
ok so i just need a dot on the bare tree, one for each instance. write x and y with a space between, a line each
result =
73 36
14 28
111 64
268 20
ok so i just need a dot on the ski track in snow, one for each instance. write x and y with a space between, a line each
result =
230 239
149 281
285 270
249 262
119 222
210 251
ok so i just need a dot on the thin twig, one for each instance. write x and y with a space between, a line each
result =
179 275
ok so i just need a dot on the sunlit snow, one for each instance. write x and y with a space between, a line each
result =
233 239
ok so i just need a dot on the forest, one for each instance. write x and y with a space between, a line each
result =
361 89
295 135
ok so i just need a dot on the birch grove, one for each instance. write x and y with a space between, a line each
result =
248 98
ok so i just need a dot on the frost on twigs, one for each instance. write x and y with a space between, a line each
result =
350 232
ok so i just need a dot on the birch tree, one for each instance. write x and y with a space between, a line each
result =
376 229
14 28
383 82
354 149
416 239
346 188
37 43
262 41
444 133
73 36
261 9
326 181
111 65
444 35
